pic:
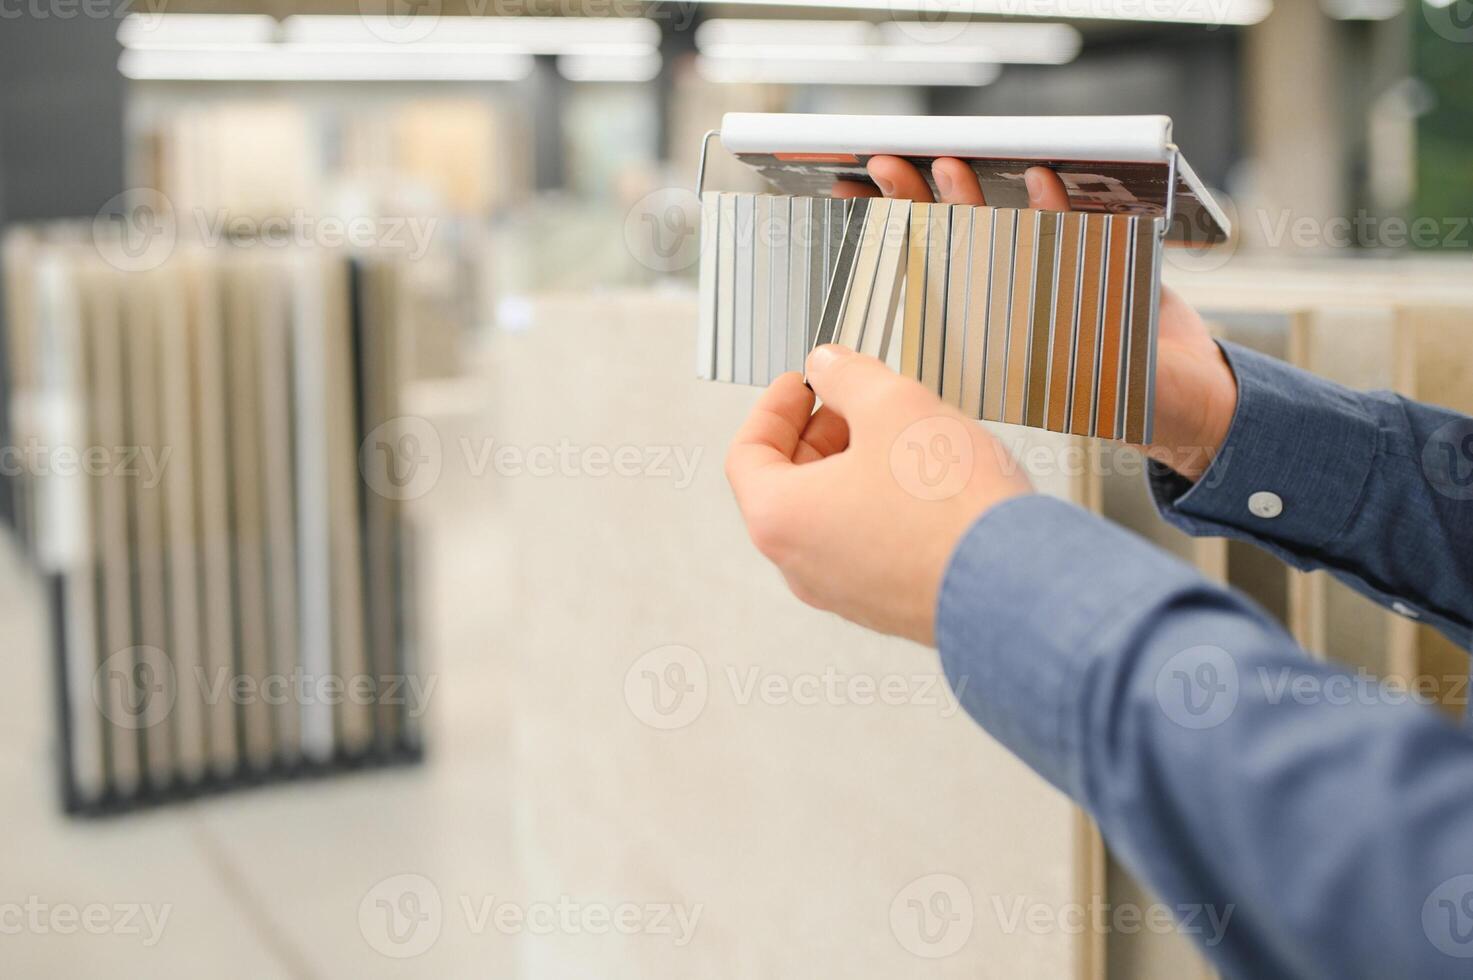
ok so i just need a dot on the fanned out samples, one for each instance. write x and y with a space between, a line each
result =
1038 318
228 563
765 271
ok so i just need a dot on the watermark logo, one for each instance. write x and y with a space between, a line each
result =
932 459
400 21
932 917
1192 242
1447 459
1198 687
667 687
135 231
931 21
135 688
1451 20
401 459
1447 917
663 230
401 916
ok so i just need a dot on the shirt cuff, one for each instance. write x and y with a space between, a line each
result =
1035 590
1294 465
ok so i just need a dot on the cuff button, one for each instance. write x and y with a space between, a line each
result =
1265 504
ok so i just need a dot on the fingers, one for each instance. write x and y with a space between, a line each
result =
1045 190
845 189
897 178
957 182
847 381
827 433
770 435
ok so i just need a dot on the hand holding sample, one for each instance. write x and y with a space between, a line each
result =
1196 393
861 503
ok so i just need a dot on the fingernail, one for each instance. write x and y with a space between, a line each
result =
943 182
887 187
822 357
1034 182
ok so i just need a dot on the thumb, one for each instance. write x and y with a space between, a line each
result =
848 382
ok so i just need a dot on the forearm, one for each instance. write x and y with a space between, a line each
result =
1177 715
1325 477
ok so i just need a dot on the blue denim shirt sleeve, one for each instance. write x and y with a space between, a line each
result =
1376 489
1327 820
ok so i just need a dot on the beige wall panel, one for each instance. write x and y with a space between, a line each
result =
799 828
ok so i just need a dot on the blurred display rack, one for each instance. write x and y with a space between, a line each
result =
273 542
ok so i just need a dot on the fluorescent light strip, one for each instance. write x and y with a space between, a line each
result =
1044 44
1002 43
1363 9
279 63
1214 12
604 68
138 30
872 53
723 32
629 36
541 35
178 47
802 71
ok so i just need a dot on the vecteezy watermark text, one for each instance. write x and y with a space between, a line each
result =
1125 918
85 9
403 915
1363 230
34 458
138 230
138 687
403 459
40 918
569 460
298 686
411 235
1201 687
668 688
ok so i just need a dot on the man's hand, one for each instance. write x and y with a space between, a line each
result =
1196 393
861 503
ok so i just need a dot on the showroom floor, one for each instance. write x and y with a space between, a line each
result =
265 883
